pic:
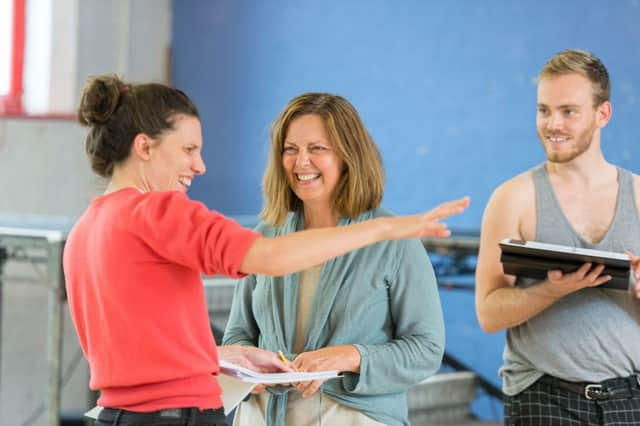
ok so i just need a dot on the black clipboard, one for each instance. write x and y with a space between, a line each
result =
534 259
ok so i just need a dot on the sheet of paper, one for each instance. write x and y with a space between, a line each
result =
233 391
94 412
247 375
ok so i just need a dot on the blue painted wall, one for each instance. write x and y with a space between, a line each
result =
446 88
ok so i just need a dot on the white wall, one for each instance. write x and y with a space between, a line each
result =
43 168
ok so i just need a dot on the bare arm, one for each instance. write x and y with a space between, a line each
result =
301 250
499 304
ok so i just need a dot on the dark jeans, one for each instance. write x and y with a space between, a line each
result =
553 402
170 417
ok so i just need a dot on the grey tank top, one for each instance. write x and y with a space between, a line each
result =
592 334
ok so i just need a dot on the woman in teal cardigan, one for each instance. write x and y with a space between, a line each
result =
373 314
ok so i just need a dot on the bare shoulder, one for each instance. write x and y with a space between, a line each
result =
517 194
510 212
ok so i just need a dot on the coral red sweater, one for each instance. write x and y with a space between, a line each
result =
132 265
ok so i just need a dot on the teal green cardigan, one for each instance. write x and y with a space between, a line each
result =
382 298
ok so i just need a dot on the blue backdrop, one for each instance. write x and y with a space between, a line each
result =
446 88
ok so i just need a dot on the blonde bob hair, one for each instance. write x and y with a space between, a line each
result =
361 184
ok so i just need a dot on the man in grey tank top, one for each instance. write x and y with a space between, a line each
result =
572 353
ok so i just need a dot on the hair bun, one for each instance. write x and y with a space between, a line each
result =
99 99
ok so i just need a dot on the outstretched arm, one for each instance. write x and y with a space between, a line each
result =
300 250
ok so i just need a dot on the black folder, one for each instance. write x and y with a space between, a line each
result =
534 259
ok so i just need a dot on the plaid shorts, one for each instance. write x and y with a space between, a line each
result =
551 402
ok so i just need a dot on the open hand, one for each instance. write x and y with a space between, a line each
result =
425 224
566 283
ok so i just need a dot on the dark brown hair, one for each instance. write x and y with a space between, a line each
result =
116 112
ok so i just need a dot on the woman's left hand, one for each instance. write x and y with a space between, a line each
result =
333 358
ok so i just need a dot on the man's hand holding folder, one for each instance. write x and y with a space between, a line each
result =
585 276
568 268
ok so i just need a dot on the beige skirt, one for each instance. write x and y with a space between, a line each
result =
315 410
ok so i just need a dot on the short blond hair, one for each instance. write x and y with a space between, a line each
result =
574 61
361 184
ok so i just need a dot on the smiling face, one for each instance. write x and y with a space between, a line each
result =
175 157
311 164
568 124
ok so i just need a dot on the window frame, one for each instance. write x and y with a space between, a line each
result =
11 103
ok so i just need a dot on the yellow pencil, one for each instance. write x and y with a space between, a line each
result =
283 358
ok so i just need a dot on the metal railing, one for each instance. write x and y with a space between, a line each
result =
42 246
453 258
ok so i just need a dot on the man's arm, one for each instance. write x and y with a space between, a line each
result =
499 304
